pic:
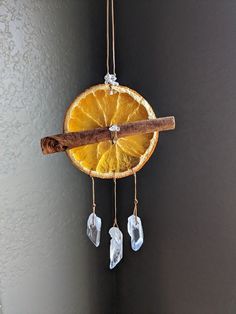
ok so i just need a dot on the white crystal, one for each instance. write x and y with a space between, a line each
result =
114 128
116 246
94 225
135 231
111 79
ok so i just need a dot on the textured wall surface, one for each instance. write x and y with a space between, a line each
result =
47 56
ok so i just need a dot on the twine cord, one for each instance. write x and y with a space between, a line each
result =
94 196
110 78
135 212
115 224
93 199
108 35
113 37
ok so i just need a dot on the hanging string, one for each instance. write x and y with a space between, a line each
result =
108 35
113 37
115 224
110 78
94 196
135 197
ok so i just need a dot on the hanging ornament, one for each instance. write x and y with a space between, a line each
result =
94 223
110 132
116 243
135 228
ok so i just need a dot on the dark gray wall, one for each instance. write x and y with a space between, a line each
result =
180 55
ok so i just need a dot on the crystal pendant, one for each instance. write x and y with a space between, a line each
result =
94 224
135 231
116 246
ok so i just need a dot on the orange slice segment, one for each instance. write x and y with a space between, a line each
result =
97 108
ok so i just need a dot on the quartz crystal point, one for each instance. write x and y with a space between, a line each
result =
135 231
116 246
94 224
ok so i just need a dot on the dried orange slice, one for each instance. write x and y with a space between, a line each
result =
95 108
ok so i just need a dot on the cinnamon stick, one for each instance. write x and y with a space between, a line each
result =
61 142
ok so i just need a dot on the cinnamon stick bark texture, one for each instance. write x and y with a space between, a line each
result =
61 142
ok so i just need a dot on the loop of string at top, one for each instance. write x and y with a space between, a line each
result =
110 78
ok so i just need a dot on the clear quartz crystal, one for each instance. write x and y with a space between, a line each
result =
135 231
114 128
94 224
111 79
116 246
